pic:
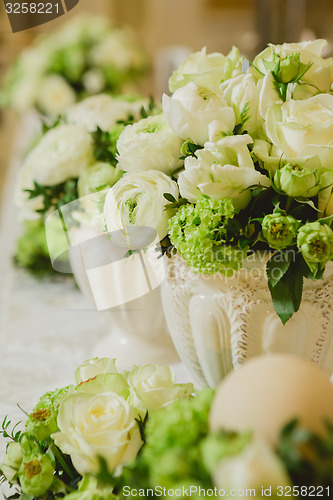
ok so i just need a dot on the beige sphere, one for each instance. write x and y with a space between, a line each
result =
268 392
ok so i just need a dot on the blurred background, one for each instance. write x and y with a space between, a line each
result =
169 29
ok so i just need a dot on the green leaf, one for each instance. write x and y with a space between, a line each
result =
287 293
170 197
277 266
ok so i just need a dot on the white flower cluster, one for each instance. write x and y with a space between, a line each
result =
86 56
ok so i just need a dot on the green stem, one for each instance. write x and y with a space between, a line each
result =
58 456
289 203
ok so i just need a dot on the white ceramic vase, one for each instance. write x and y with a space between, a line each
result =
127 293
218 323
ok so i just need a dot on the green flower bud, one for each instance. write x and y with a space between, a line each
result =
279 230
42 422
315 241
12 461
295 180
290 68
36 474
90 490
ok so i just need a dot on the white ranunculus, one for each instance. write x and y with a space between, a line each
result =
54 95
206 69
137 200
60 155
103 111
303 128
94 366
222 170
319 75
92 426
93 81
153 386
24 93
149 144
256 466
242 94
192 108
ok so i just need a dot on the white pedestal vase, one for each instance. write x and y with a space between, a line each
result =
218 323
127 292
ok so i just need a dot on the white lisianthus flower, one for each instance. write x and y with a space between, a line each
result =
256 466
206 69
153 386
222 170
54 95
92 426
268 94
103 111
60 155
94 366
319 76
192 108
12 462
241 93
137 200
149 144
303 128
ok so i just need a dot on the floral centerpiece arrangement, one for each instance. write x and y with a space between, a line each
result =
115 435
72 159
238 163
85 56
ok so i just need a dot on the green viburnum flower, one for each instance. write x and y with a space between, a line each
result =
315 241
90 490
42 422
199 233
12 462
295 181
279 230
173 435
36 474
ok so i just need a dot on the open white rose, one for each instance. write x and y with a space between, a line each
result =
303 128
222 170
192 108
319 75
256 466
94 366
102 111
153 386
243 95
97 425
54 95
149 144
206 69
137 200
60 155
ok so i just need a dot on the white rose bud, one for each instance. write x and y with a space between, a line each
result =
92 426
192 108
94 366
153 386
303 128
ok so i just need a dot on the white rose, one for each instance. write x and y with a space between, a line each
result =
153 386
54 95
102 111
137 200
12 461
97 425
222 170
242 94
206 69
303 128
319 75
60 155
256 466
94 366
149 144
192 108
